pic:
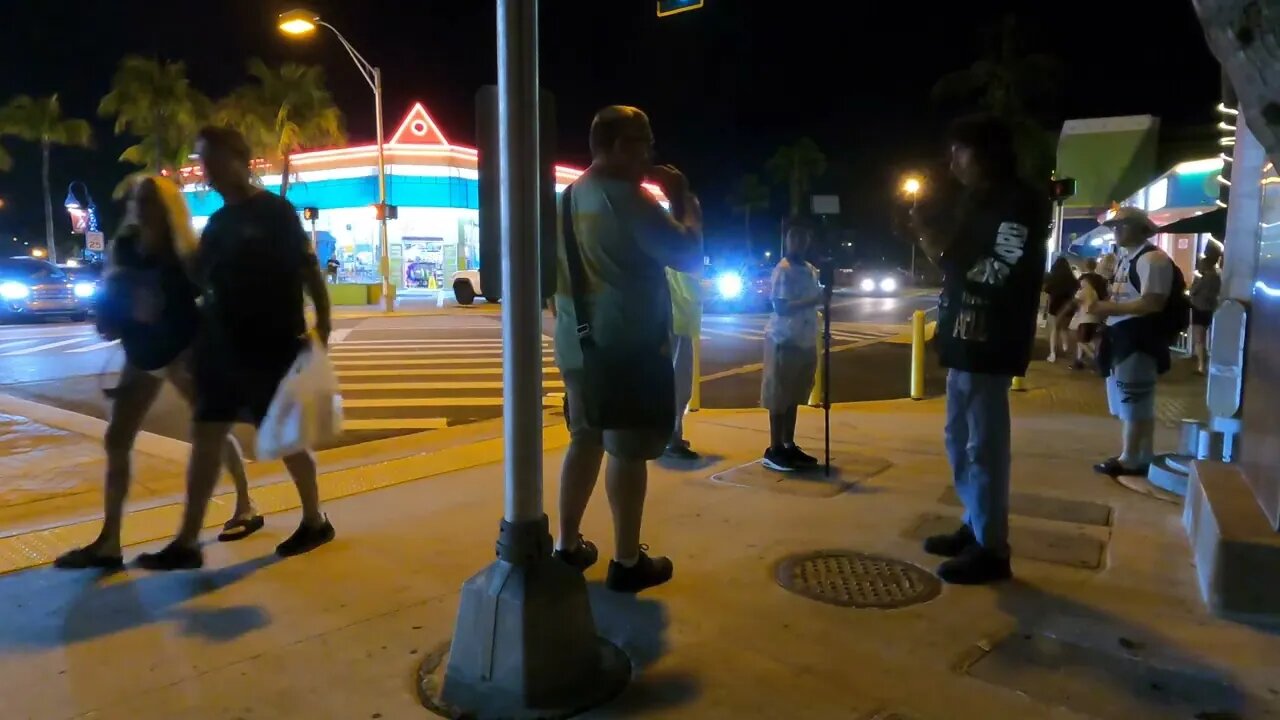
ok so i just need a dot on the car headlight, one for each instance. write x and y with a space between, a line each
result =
888 285
729 285
14 291
85 289
868 285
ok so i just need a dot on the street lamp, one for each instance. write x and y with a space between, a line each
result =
298 23
912 186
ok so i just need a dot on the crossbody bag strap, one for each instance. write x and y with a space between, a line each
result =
577 273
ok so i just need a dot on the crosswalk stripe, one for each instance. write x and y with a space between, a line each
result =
427 341
436 385
727 333
493 352
46 346
547 368
435 423
492 360
348 350
16 343
432 402
95 346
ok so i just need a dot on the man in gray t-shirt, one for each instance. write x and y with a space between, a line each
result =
625 239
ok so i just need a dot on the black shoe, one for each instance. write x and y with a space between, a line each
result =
779 460
85 558
172 557
800 458
646 573
975 566
680 452
580 557
952 544
305 539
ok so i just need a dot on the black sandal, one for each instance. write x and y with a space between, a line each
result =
1112 467
239 528
86 558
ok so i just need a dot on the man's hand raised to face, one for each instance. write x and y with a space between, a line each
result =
673 182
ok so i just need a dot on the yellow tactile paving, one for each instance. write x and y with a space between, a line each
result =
33 549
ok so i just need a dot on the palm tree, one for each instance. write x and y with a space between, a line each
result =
748 196
1016 86
795 166
39 120
153 100
286 110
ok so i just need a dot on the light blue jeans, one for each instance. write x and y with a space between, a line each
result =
978 429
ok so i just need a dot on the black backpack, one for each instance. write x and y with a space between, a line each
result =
1175 317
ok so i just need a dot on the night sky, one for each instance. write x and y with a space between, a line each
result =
725 85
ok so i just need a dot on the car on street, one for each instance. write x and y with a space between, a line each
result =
875 280
736 288
86 283
466 287
32 288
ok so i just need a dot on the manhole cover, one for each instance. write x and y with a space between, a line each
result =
850 579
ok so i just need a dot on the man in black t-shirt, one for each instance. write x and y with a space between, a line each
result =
990 244
254 264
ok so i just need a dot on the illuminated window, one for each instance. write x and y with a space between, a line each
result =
1158 195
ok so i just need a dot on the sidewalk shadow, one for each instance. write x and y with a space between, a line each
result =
1120 665
702 463
638 626
86 607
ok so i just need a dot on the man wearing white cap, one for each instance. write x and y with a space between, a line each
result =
1141 316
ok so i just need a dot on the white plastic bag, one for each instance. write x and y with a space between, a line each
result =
306 410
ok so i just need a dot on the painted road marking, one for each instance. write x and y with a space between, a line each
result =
424 353
546 368
42 348
431 402
95 346
440 385
436 423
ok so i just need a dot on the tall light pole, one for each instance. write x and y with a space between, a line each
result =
912 186
298 23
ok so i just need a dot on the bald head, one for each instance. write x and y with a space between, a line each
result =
618 123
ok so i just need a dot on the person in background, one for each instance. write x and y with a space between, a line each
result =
1093 287
990 245
331 269
790 351
625 240
254 266
686 322
1135 349
1205 293
1060 287
149 305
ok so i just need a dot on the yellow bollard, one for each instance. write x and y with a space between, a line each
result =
1019 384
695 397
917 355
815 395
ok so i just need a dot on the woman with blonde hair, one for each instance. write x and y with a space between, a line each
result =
148 302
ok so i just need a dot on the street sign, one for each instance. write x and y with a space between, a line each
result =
672 7
95 242
825 204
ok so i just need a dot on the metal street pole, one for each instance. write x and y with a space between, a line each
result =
525 642
388 300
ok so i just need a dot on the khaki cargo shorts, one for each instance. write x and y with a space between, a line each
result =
622 444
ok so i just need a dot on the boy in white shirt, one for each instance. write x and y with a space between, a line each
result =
790 351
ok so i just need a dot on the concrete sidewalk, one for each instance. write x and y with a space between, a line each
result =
1104 619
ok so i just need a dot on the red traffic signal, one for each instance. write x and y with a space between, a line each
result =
385 211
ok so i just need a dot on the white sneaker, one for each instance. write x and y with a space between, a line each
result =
1053 358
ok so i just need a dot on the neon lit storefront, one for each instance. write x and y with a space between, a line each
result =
432 182
1188 191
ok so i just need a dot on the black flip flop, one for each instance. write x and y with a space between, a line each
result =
1112 467
239 528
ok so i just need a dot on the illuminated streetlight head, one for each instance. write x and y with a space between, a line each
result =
37 252
297 22
911 185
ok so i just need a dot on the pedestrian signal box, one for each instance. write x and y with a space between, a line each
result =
311 214
1061 189
673 7
385 211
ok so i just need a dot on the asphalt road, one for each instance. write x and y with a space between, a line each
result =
408 374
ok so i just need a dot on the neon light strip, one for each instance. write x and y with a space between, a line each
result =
1199 166
1222 108
417 110
1267 290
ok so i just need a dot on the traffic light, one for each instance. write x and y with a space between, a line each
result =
672 7
310 214
1062 188
386 211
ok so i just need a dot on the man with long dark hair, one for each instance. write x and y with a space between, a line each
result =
990 243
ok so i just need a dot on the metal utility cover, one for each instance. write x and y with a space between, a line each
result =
858 580
846 472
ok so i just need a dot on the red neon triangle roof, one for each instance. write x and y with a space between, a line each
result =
418 129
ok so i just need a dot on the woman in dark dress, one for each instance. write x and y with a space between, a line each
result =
148 302
1061 287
